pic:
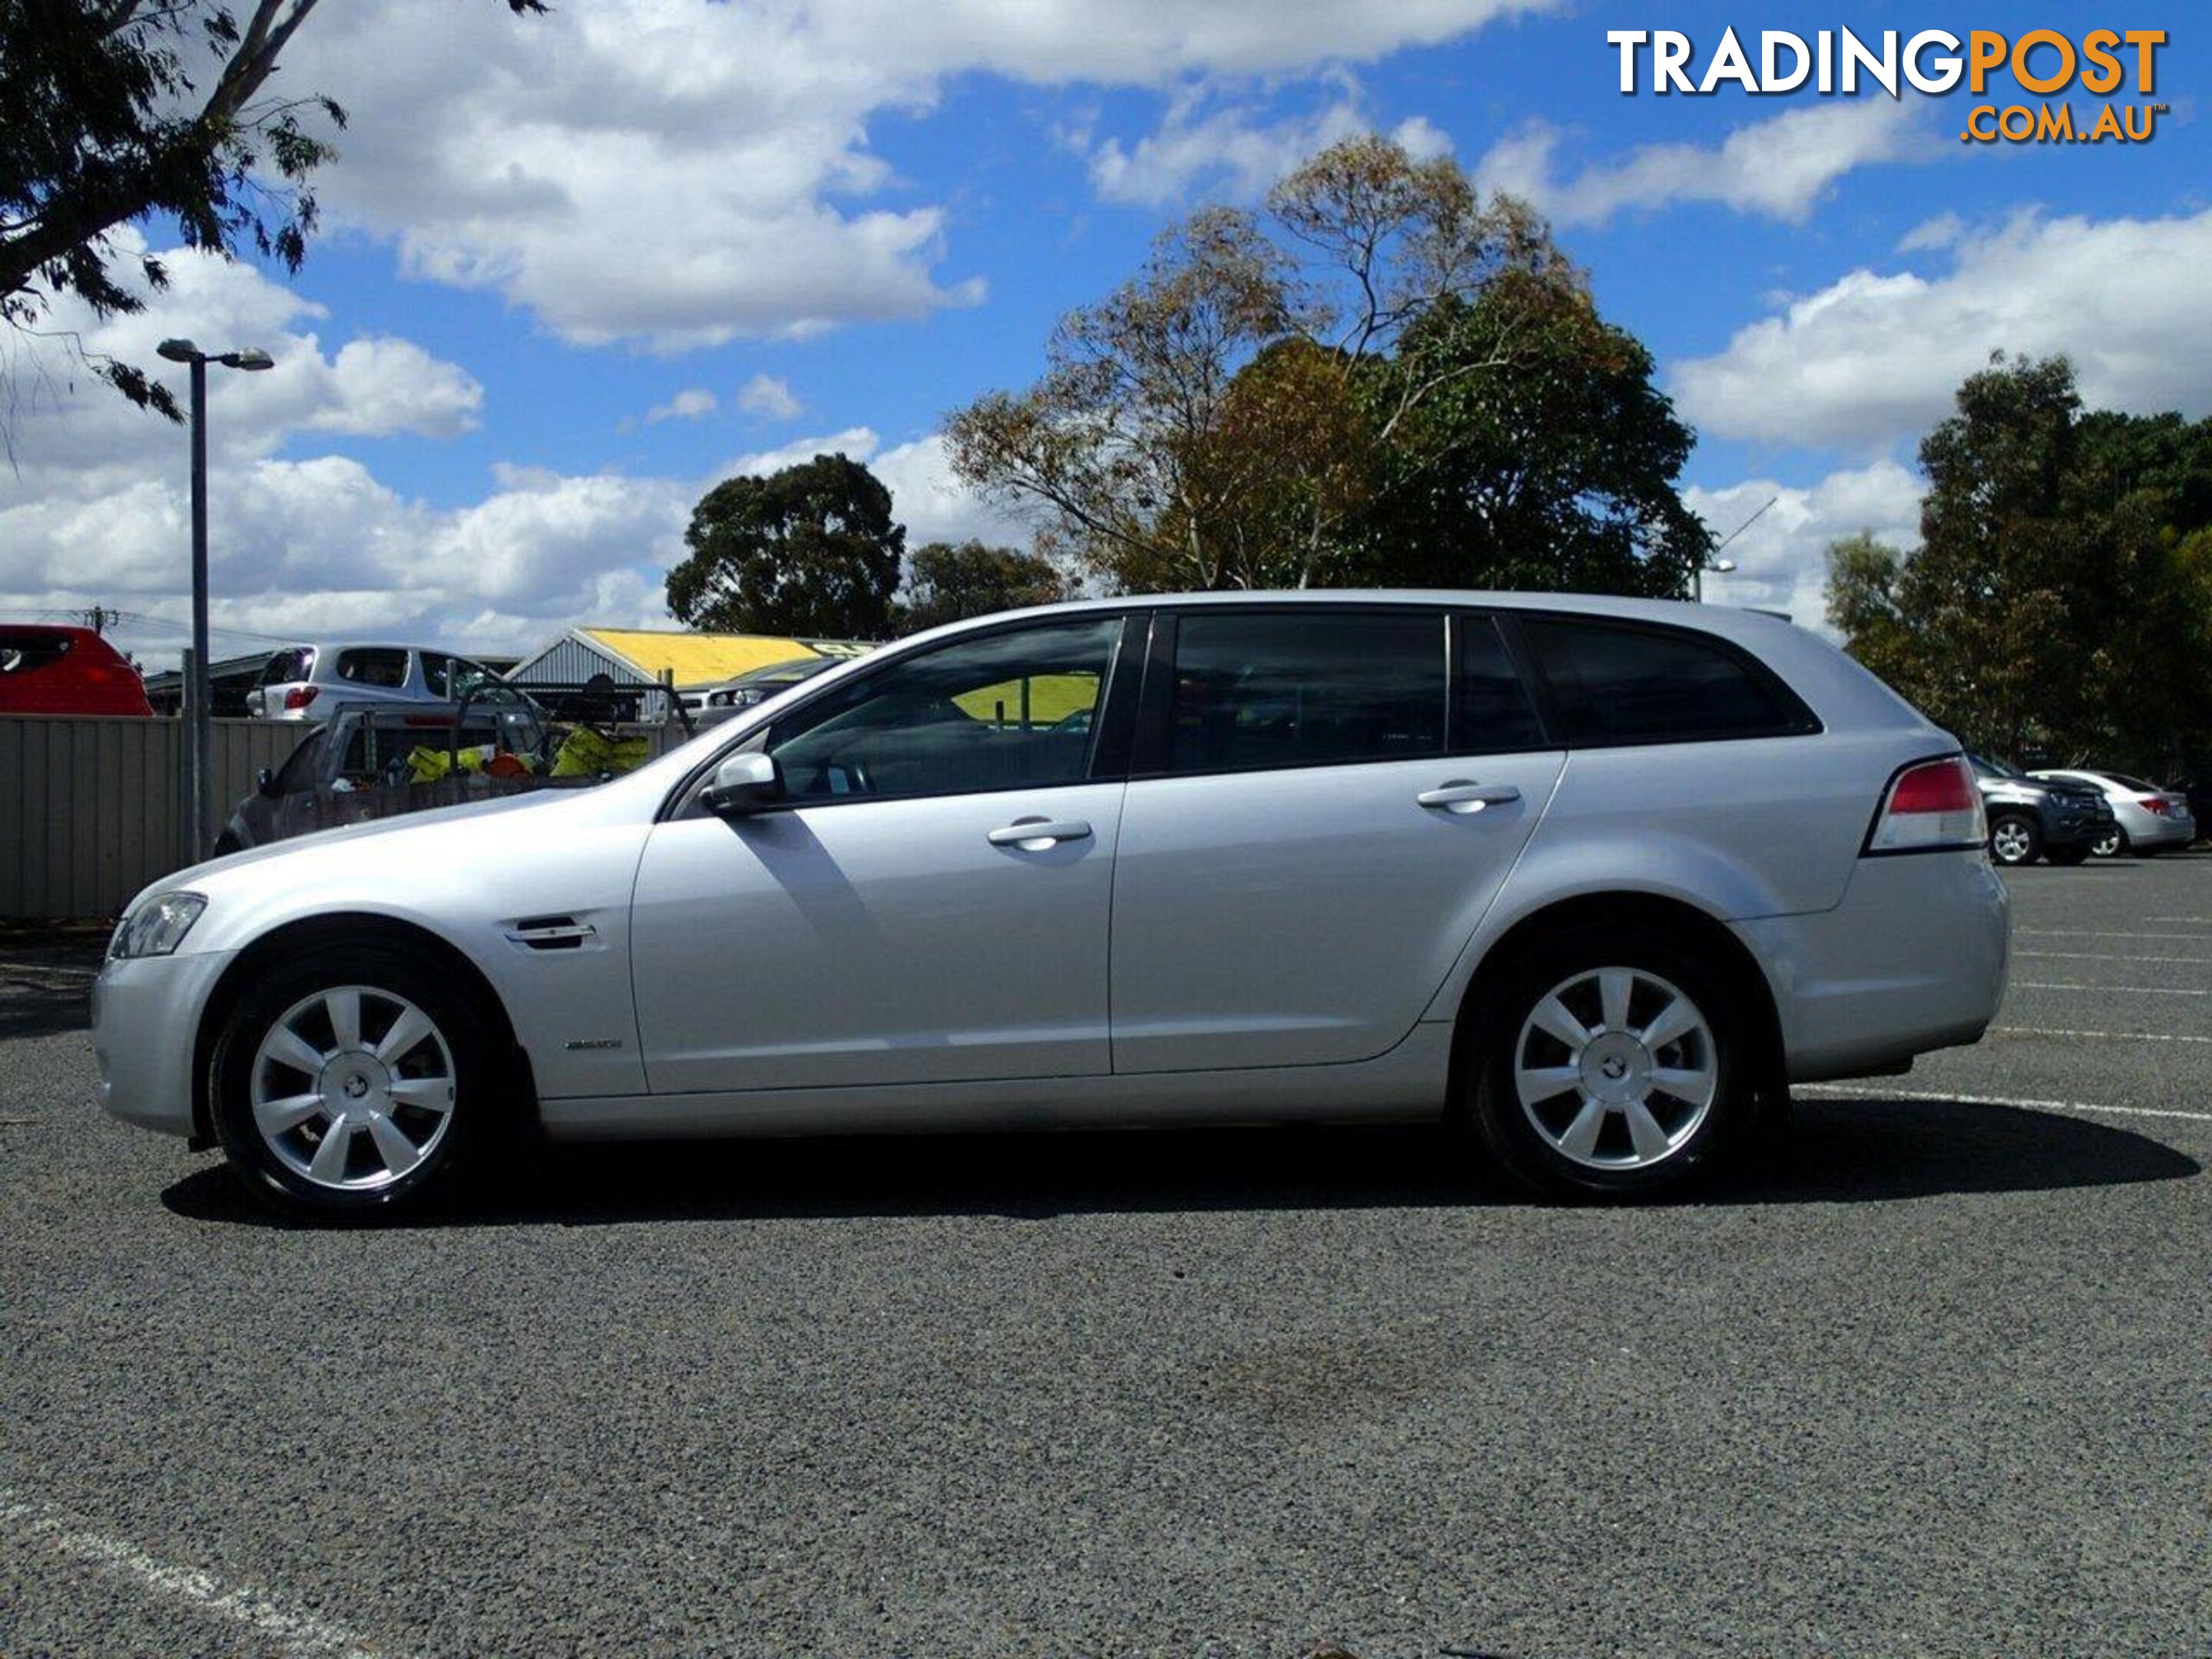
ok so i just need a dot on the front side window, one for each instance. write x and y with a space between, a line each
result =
1611 684
1306 688
437 672
370 666
1012 710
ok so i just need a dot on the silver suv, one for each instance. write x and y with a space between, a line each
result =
1593 879
301 682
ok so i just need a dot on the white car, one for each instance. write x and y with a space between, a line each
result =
1595 879
2145 818
302 681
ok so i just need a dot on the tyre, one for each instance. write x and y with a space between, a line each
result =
1613 1062
2077 853
2015 839
353 1080
2111 844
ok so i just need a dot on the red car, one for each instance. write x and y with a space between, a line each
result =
66 670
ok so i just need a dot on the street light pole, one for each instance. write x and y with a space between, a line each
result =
199 688
203 733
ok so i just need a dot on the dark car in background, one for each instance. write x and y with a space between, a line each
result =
2031 818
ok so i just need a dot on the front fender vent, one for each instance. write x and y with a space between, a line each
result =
550 933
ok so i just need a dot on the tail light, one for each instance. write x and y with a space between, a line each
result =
1929 805
2152 803
299 696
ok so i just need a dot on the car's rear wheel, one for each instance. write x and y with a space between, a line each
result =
2014 839
2111 844
1614 1063
352 1080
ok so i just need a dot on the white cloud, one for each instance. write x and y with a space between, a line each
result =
98 512
680 174
769 397
692 404
1781 558
1873 358
1229 155
1781 167
935 506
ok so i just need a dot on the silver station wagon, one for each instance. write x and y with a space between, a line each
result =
1594 880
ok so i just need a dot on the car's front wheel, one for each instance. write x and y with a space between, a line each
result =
1614 1063
352 1079
2014 839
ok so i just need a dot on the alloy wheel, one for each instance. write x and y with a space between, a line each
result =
2106 845
1616 1068
2010 841
353 1088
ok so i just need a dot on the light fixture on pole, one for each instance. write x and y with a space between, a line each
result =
1714 563
195 680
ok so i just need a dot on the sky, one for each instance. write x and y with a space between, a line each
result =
573 269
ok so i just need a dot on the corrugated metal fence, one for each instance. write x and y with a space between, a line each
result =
88 806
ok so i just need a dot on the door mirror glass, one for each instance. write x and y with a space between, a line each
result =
744 784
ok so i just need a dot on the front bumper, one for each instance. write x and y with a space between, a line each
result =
1913 958
145 1033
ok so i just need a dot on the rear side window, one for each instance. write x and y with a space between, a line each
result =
1491 713
28 652
1313 688
370 666
286 666
1611 684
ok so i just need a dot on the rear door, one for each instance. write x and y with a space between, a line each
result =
1327 799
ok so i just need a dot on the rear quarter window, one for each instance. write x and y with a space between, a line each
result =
1611 683
372 667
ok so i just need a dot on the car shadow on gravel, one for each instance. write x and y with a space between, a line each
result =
35 1004
1868 1151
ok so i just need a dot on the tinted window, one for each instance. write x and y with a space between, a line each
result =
1007 711
1308 688
286 666
373 666
1493 714
437 672
1612 684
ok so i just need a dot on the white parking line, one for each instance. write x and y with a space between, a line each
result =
2104 956
1875 1090
292 1631
2099 932
2132 990
2203 921
2108 1036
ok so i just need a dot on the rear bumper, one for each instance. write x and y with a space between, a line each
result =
145 1029
1913 958
2147 830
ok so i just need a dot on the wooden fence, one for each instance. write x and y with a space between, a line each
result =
90 811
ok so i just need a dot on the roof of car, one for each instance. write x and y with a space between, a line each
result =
1729 621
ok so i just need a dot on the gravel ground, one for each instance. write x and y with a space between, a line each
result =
1935 1381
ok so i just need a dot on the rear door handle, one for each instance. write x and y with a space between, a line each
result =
1034 834
1465 795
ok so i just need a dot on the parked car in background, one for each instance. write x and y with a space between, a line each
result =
302 681
355 765
50 670
1589 879
718 702
2030 819
2146 818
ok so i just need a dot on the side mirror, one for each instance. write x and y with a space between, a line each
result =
744 784
264 781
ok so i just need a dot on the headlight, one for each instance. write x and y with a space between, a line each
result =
157 927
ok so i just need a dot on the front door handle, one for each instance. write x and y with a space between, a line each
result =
1034 834
1465 795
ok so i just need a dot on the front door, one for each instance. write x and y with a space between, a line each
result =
1337 796
932 906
